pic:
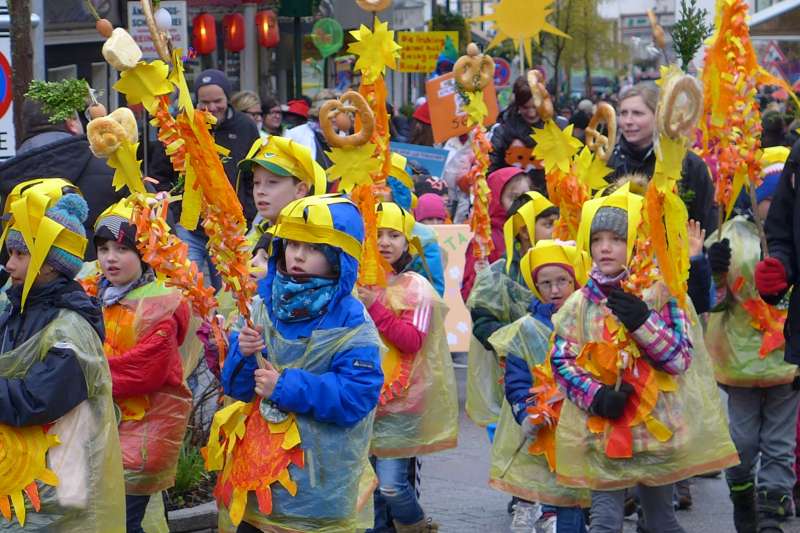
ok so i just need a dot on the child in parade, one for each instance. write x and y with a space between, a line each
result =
506 185
418 407
57 425
146 324
500 297
630 427
319 369
283 170
399 189
745 340
552 271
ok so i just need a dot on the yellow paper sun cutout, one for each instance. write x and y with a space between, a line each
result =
22 462
375 50
521 21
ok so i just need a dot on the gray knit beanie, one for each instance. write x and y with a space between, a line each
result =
614 219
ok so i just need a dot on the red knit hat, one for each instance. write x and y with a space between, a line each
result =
430 205
423 113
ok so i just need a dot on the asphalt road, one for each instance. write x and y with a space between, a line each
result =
455 490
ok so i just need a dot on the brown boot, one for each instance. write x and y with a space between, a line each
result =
426 525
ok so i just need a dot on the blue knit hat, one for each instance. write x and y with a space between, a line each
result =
70 211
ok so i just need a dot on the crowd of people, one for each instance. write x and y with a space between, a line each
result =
359 377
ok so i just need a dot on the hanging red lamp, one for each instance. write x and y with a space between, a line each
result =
204 33
267 29
233 32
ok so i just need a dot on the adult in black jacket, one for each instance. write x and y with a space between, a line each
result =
60 151
777 273
634 154
513 131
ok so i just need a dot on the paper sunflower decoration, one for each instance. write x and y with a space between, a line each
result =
376 50
23 462
521 21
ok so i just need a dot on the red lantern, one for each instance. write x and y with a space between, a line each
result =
204 33
268 31
233 28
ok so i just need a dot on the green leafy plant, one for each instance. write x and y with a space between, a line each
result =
191 470
60 100
690 31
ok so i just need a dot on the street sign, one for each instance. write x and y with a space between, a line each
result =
137 27
7 141
502 72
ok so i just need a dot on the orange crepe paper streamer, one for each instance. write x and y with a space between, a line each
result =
545 411
654 219
766 318
569 194
731 126
168 134
479 221
256 462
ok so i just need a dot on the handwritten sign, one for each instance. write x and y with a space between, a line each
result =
420 50
453 240
448 117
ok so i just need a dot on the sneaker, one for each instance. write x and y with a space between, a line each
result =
524 517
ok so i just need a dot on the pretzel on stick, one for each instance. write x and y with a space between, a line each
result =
160 38
683 104
473 71
349 102
541 98
602 145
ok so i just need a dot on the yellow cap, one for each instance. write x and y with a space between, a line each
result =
288 158
525 217
550 252
621 198
323 219
122 209
391 216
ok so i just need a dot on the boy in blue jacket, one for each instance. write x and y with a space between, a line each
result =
320 363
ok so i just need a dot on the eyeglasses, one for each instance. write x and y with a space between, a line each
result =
548 286
256 114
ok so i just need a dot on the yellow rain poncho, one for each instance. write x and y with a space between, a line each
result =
744 334
418 409
85 490
522 466
688 407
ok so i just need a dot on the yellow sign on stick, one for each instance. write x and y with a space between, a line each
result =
420 50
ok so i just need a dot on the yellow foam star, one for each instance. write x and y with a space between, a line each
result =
144 82
555 147
591 170
476 108
354 166
521 21
375 50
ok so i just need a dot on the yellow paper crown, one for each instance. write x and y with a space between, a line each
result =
286 157
550 252
391 216
774 154
621 198
122 209
525 217
26 208
310 219
397 170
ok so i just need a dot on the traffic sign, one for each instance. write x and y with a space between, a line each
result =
7 140
502 72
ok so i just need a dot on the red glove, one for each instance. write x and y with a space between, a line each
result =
770 277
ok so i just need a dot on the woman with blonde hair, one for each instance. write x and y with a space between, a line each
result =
249 103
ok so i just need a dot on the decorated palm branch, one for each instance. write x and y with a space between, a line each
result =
731 125
473 72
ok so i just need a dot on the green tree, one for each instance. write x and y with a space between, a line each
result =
445 21
690 31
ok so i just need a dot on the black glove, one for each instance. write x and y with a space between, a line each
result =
719 256
629 309
610 403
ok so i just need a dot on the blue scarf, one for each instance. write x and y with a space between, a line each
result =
301 298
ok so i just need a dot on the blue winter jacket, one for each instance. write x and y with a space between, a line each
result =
344 394
518 378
